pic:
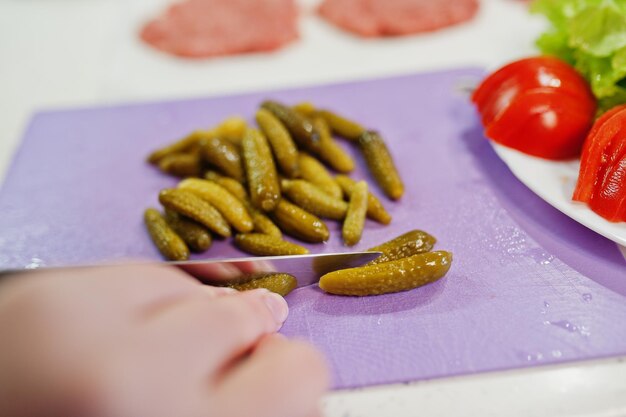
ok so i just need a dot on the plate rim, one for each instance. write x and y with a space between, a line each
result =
569 208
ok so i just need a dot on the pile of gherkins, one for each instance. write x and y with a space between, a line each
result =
262 182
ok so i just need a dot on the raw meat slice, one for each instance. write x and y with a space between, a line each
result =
371 18
207 28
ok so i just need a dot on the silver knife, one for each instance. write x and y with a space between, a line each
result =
306 268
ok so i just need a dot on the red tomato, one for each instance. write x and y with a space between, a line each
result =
590 164
602 179
540 106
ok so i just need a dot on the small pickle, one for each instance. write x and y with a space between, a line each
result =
301 129
313 171
265 245
409 244
170 245
341 126
280 140
278 282
231 184
395 276
299 223
355 217
232 129
227 204
196 236
263 183
305 108
224 155
314 200
190 205
381 165
263 224
181 164
183 145
330 151
375 209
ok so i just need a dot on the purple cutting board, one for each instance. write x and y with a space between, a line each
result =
528 286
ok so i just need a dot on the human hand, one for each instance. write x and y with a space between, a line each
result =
148 341
220 273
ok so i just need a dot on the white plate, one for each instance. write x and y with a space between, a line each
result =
554 182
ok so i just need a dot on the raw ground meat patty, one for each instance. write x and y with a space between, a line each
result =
206 28
372 18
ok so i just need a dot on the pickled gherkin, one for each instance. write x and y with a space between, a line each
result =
341 126
263 224
261 172
227 204
231 129
313 171
299 223
400 275
196 236
181 164
265 245
330 151
223 155
314 200
355 217
301 129
277 282
190 205
305 108
408 244
170 245
183 145
281 143
231 184
381 164
375 209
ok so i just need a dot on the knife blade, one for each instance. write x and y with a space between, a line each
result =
306 268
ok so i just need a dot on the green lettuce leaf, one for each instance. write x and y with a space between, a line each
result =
591 35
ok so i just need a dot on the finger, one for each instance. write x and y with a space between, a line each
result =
132 287
202 334
218 291
213 272
282 378
316 413
255 267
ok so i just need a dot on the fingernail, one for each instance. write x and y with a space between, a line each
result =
227 271
265 266
277 306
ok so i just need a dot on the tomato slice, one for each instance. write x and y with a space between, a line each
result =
601 134
609 200
544 123
541 106
502 87
602 179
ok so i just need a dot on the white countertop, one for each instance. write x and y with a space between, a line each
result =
69 53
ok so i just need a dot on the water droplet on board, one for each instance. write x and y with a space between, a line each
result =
540 256
534 357
546 304
557 354
570 327
564 324
587 297
34 263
